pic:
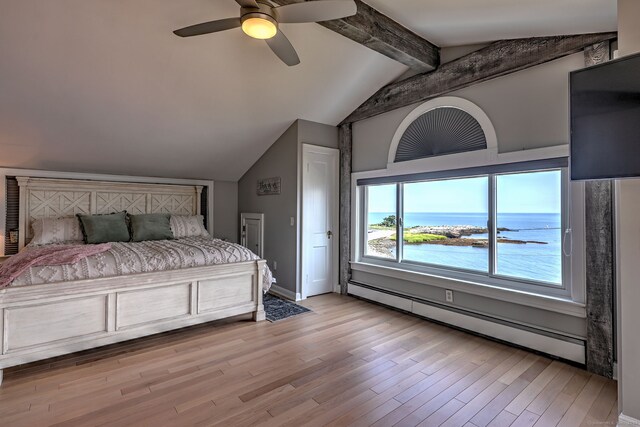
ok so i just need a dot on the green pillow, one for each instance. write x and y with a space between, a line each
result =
104 228
150 227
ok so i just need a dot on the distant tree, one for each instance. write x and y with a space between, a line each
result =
389 221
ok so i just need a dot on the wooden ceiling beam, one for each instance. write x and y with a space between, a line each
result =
378 32
496 60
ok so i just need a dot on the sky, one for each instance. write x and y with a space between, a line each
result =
534 192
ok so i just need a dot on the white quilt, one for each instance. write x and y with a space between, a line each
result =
145 257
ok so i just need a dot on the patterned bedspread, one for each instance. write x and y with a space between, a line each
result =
145 257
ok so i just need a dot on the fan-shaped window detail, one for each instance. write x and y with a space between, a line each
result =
440 131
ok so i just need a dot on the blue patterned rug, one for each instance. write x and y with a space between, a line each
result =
279 309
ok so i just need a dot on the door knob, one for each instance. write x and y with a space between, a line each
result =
329 234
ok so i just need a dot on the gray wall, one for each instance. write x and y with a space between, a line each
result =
283 159
225 210
529 109
317 134
628 249
520 314
280 238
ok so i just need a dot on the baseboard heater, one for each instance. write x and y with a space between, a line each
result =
556 345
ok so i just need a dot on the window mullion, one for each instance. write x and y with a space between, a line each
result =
565 227
399 222
364 225
492 225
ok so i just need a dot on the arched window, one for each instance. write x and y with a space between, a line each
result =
443 126
440 131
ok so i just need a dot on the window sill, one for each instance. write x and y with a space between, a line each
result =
544 302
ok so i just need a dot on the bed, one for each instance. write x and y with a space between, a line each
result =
134 289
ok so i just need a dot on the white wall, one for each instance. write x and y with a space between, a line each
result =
628 246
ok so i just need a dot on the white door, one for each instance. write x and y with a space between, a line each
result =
251 232
319 220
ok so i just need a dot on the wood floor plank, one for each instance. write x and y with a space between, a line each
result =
520 403
377 407
602 406
429 401
581 406
549 393
527 419
503 419
554 413
347 363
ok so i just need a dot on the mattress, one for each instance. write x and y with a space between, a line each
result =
125 258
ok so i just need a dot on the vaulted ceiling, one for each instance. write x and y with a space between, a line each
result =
462 22
104 86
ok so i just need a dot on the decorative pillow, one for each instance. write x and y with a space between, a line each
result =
188 226
105 228
55 230
150 227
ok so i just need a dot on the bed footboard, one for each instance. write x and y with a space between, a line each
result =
42 321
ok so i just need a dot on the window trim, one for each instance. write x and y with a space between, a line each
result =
574 296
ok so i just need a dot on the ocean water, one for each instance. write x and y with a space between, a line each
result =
540 262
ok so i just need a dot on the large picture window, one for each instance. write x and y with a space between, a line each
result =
505 226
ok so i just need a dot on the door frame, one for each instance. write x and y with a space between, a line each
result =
306 150
257 216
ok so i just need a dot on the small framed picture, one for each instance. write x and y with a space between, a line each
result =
269 186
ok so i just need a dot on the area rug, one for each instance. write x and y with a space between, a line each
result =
279 309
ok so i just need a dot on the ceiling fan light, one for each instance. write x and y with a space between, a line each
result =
259 28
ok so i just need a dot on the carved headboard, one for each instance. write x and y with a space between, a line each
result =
55 198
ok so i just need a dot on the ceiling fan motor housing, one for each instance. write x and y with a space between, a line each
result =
263 11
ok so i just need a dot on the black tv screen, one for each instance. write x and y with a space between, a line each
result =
605 120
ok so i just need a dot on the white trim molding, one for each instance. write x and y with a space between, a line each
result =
569 349
625 420
285 293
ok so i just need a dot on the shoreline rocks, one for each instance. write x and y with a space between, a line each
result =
455 236
453 231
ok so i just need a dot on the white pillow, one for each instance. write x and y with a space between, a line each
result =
55 230
187 226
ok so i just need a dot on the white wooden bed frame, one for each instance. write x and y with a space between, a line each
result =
42 321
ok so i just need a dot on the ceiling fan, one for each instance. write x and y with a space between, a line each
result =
259 19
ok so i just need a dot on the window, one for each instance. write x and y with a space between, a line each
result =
529 225
499 227
445 223
381 221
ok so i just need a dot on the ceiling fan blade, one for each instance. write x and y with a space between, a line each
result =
316 11
208 27
281 46
247 3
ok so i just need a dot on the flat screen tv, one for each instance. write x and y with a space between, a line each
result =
605 120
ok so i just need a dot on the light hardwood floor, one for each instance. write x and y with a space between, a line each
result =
347 363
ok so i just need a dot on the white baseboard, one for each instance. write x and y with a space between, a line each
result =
525 338
285 293
625 420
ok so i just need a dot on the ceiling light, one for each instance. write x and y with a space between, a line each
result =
259 26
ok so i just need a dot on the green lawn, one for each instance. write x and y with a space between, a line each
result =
419 237
380 227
